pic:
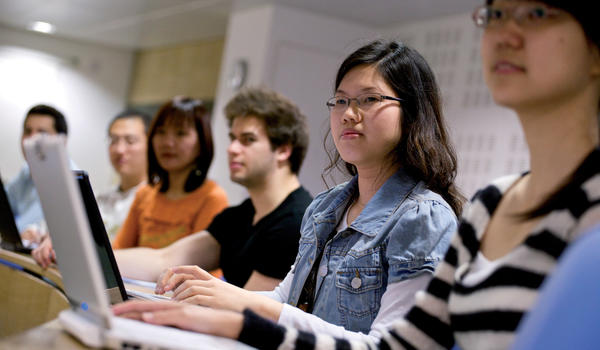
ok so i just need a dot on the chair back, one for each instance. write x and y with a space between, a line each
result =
26 301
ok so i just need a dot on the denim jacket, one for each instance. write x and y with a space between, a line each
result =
403 232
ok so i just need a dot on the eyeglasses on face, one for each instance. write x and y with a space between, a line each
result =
364 102
527 14
129 140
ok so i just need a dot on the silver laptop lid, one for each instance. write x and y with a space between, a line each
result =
68 226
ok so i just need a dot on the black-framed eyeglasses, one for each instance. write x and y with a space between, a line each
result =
364 102
528 14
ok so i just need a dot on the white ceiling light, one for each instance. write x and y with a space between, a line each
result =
42 27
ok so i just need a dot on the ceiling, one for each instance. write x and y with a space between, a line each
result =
151 23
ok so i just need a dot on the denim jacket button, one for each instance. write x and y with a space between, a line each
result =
356 283
323 270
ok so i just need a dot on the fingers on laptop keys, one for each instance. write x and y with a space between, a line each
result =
135 309
173 277
167 281
162 282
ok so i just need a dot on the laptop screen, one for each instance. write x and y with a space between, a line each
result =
112 276
11 239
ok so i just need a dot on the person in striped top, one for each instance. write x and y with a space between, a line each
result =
542 60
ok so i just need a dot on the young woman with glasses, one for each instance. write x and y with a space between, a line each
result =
541 59
369 244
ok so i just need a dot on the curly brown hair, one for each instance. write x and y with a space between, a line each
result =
284 122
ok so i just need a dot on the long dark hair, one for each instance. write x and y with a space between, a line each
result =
182 111
424 150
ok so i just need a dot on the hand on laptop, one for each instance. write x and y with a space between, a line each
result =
172 277
189 317
193 285
44 254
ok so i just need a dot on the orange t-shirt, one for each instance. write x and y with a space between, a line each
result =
155 221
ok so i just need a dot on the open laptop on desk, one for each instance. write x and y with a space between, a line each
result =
112 276
11 239
90 318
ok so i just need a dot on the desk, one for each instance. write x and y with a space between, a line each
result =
51 335
47 336
27 262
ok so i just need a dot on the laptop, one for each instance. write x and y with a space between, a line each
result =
90 319
11 239
112 277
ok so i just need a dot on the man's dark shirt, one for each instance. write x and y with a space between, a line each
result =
269 247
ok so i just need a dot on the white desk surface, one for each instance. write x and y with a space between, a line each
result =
47 336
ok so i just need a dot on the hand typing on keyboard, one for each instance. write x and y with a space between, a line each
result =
146 296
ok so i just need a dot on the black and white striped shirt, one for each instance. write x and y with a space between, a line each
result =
484 315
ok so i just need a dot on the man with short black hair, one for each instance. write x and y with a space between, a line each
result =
22 195
127 150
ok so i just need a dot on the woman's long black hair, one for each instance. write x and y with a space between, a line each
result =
424 150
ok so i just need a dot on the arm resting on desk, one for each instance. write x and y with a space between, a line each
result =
200 249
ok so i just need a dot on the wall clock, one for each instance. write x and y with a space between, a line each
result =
238 75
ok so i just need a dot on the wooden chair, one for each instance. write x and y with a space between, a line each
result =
26 301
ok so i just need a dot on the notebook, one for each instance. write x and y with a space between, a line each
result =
11 239
112 276
90 319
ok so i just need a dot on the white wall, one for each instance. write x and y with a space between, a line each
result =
306 52
87 83
296 53
247 38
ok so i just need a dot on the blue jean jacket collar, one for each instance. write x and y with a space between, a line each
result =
391 195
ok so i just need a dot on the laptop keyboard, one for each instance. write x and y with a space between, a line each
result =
145 296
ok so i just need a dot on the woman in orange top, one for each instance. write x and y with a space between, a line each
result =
178 200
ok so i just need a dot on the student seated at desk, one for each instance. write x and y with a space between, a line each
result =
542 60
254 243
22 195
127 150
179 200
369 244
